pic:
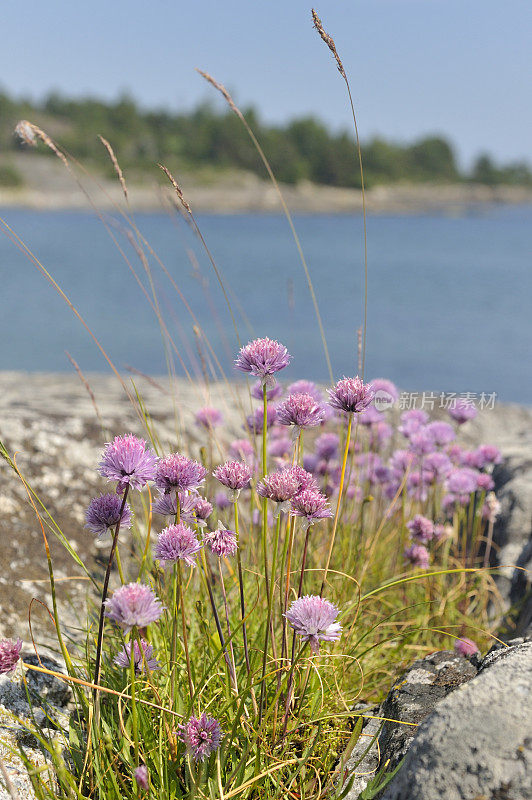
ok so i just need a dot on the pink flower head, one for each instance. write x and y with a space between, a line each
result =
466 647
304 479
179 473
384 385
300 410
441 432
437 466
485 482
221 501
306 387
235 475
255 421
351 395
271 394
166 504
242 449
128 461
487 455
142 656
263 358
280 447
201 736
421 529
209 418
370 416
421 442
463 411
327 446
141 776
311 504
314 619
221 542
103 513
462 482
9 655
418 555
133 605
279 486
202 509
177 543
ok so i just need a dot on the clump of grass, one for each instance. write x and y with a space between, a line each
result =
236 688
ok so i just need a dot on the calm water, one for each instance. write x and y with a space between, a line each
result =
449 299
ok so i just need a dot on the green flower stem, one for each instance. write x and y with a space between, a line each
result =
215 614
337 513
173 648
134 718
269 616
185 639
264 501
97 666
228 623
241 589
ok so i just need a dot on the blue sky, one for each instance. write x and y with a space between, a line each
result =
458 67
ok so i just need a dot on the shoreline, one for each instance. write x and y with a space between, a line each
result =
49 188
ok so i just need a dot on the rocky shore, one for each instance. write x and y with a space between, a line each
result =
473 715
48 186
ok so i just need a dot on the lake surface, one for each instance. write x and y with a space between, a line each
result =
449 305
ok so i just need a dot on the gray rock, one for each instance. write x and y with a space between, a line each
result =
50 699
477 744
414 696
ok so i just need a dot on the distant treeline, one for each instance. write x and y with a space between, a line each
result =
304 149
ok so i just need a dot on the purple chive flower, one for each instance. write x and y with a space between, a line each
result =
384 385
235 475
279 486
128 461
221 501
9 655
201 736
487 455
271 394
421 442
313 618
202 509
351 395
242 449
166 504
301 411
441 432
370 416
177 543
418 555
485 482
306 387
280 447
310 504
437 466
327 446
463 411
462 482
466 647
133 605
305 479
208 417
221 542
179 473
255 421
141 776
411 421
421 528
104 512
143 658
263 358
